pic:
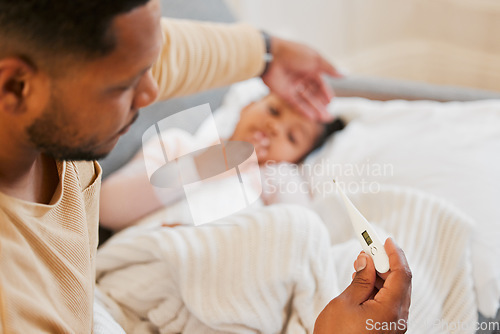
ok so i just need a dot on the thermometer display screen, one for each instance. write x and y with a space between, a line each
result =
367 238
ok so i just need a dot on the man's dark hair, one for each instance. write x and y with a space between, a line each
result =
54 28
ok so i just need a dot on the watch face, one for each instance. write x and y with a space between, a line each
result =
268 56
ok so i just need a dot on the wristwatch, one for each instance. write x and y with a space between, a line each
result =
268 56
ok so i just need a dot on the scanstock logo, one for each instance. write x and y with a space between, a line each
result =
216 178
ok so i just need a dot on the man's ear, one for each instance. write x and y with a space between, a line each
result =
16 79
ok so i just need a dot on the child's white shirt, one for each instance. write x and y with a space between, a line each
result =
280 182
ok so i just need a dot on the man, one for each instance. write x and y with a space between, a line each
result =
73 76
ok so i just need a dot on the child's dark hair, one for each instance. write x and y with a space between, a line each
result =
328 129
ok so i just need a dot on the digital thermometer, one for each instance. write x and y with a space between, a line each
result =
369 239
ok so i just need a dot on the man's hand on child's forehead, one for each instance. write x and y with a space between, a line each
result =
295 75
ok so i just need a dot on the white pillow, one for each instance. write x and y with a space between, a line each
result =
227 116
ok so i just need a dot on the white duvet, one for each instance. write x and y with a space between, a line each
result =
273 269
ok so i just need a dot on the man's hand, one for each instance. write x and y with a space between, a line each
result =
371 304
295 75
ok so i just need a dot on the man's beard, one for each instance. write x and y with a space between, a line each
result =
50 135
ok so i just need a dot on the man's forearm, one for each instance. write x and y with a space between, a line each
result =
197 56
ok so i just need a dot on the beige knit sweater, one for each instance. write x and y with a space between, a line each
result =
47 251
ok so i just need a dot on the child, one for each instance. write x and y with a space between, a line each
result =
280 134
277 132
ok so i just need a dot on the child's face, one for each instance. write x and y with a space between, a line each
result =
276 131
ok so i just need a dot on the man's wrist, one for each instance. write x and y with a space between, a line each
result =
268 56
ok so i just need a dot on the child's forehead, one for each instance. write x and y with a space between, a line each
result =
278 101
305 121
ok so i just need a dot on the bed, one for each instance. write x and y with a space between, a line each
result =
434 168
468 204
